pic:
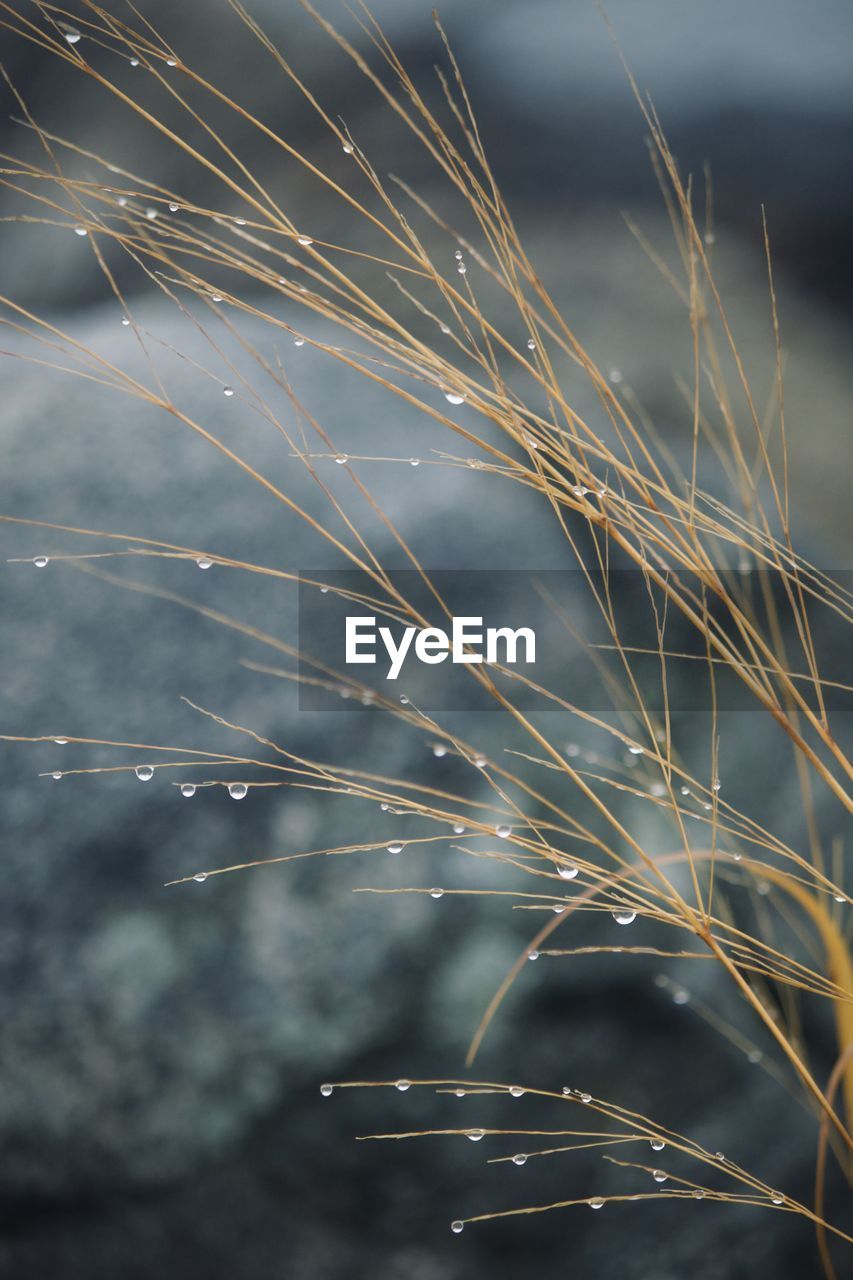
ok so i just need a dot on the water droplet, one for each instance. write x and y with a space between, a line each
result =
657 1144
327 1090
458 829
216 297
403 1085
763 888
503 831
72 35
533 955
384 807
597 1202
736 857
200 877
754 1056
716 784
474 1135
567 1090
698 1193
567 872
173 208
458 255
237 790
839 897
122 200
56 776
41 562
635 751
171 62
61 742
227 391
395 847
348 148
519 1159
241 222
151 214
456 1227
480 760
462 269
709 237
718 1155
80 231
436 893
299 342
585 1097
134 62
404 701
624 915
659 1175
460 1093
516 1091
144 772
557 909
439 750
775 1198
125 321
341 459
680 996
203 562
187 789
414 462
453 398
531 344
615 376
580 490
304 240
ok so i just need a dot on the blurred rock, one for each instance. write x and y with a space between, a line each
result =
162 1048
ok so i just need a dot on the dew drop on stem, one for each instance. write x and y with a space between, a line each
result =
623 915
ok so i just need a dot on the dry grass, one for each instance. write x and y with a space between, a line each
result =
439 338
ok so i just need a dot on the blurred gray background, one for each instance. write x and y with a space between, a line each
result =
162 1049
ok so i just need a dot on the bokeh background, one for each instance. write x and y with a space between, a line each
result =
162 1049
